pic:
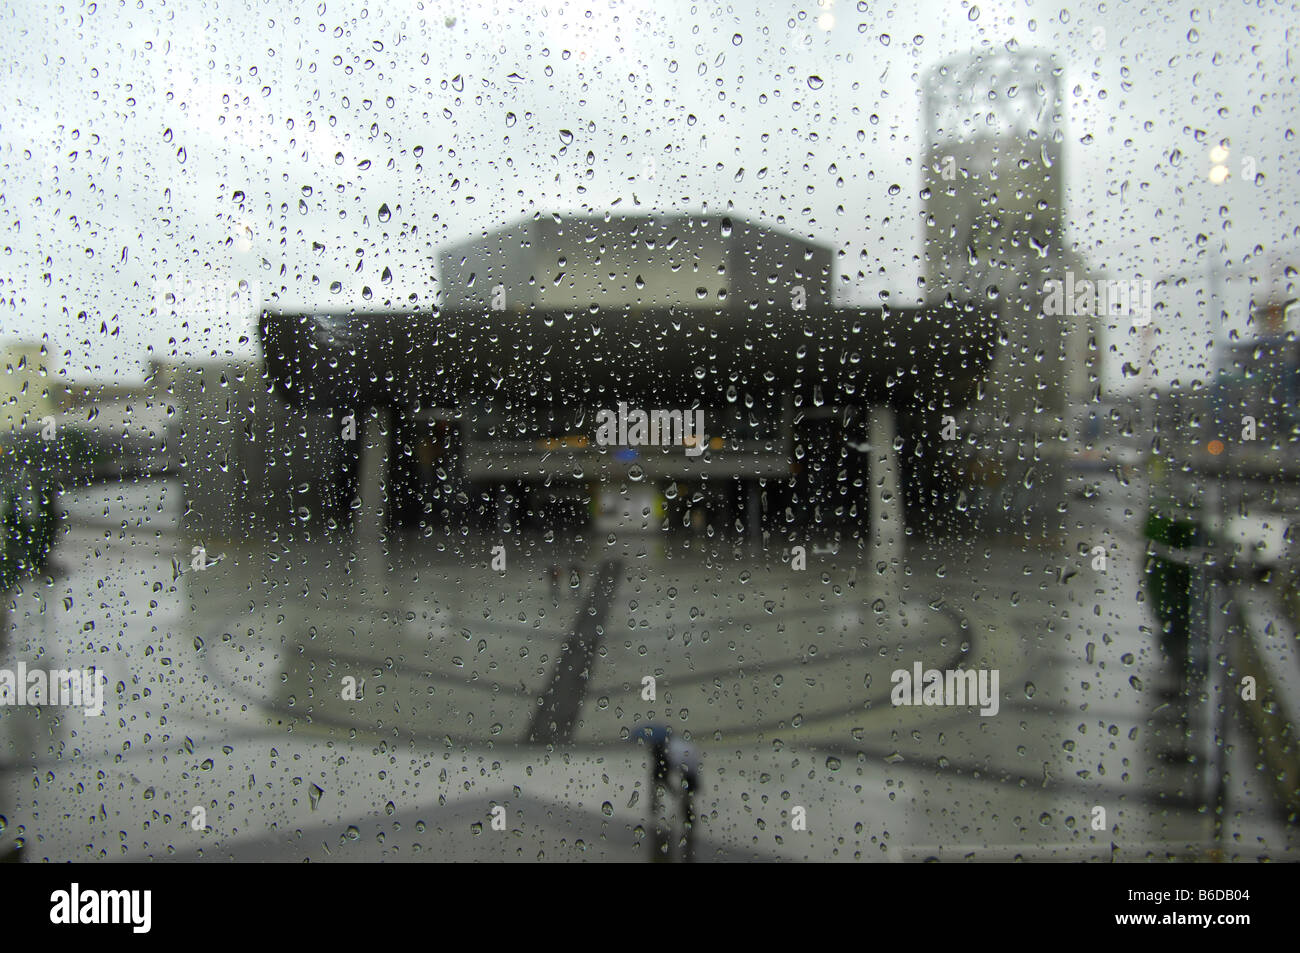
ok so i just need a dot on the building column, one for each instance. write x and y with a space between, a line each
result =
375 476
506 507
886 502
753 514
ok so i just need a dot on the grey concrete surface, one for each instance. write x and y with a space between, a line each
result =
225 692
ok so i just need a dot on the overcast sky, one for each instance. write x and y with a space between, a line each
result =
144 148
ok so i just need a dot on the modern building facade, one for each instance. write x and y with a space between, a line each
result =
491 403
994 232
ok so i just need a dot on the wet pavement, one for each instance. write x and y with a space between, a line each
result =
524 688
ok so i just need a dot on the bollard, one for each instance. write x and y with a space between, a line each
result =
673 765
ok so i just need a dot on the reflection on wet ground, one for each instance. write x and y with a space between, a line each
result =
324 700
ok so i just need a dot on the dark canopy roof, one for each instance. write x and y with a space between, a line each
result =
904 356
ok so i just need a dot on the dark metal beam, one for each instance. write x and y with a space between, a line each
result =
661 358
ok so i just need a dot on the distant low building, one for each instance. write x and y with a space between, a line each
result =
1257 382
636 262
26 386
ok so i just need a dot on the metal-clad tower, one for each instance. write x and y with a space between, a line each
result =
994 231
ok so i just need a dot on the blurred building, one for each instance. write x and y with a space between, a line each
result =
28 393
1258 380
626 265
630 262
486 409
995 232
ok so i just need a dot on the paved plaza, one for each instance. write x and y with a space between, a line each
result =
353 697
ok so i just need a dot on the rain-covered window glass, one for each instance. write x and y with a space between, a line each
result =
649 431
